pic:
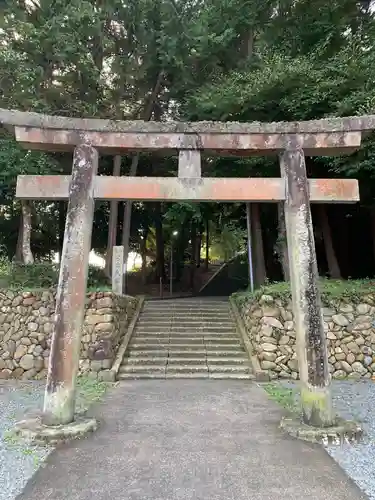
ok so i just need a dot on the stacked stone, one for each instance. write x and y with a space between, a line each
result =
26 324
350 330
106 320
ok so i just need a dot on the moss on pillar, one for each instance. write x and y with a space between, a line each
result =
316 405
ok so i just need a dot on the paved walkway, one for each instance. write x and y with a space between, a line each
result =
184 440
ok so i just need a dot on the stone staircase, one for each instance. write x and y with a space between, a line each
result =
185 338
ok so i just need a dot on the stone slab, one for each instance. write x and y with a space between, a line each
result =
117 269
344 431
34 431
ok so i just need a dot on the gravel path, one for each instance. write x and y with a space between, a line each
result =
18 462
354 400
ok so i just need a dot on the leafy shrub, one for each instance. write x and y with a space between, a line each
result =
42 275
97 278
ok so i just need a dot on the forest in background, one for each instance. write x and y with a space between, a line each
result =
228 60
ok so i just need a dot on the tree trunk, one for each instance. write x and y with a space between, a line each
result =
282 244
333 265
133 171
112 225
62 206
193 262
207 244
180 253
18 255
160 264
198 248
257 237
126 224
372 215
144 256
27 256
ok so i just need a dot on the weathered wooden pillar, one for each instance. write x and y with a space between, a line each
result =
59 401
311 340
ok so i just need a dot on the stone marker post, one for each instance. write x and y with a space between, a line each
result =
59 400
118 267
311 340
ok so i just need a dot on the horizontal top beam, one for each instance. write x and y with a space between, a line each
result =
241 144
56 187
15 118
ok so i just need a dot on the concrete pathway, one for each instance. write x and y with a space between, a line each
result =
190 439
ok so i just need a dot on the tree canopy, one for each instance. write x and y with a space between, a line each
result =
275 60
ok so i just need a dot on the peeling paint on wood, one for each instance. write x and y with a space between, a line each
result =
244 142
59 399
52 187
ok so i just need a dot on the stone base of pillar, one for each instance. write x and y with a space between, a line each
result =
343 432
34 431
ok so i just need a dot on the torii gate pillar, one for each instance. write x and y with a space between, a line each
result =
59 400
316 400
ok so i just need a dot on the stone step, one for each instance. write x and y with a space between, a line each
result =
208 346
157 339
222 340
183 350
209 350
235 376
146 368
227 360
141 330
188 368
191 335
168 316
187 314
191 310
148 347
182 375
228 368
177 326
198 335
165 343
145 360
171 341
185 303
187 360
197 375
139 376
191 339
162 353
164 319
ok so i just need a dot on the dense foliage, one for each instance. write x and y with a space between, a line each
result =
273 60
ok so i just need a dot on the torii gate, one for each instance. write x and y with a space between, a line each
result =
89 137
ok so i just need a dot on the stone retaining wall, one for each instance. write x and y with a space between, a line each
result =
26 323
349 326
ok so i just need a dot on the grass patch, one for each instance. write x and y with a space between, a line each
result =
282 395
15 443
343 290
89 391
